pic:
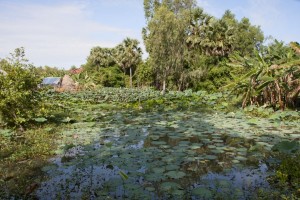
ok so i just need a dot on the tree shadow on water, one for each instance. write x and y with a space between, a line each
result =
165 155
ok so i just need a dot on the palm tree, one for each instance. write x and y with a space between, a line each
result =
100 57
128 55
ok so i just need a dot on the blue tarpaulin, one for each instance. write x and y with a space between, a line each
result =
54 81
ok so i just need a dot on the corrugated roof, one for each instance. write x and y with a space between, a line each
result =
51 81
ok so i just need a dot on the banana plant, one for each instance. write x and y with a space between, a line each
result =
272 77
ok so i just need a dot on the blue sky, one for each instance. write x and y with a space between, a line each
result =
61 32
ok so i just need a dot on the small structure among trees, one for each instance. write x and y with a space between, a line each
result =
68 84
60 84
52 81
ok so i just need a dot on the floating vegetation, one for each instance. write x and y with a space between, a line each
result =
164 155
154 148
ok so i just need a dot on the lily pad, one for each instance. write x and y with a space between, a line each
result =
167 186
203 193
195 146
211 157
150 189
158 170
172 167
286 147
175 174
240 158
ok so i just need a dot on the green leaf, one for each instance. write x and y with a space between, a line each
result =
123 175
175 174
203 193
40 119
286 147
167 186
6 132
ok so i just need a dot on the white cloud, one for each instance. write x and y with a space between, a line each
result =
55 35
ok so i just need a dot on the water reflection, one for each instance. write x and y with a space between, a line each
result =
166 155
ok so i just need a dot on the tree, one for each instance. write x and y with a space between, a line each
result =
19 96
247 37
175 6
144 75
221 37
100 57
47 71
165 36
128 55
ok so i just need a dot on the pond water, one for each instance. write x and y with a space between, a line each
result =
167 155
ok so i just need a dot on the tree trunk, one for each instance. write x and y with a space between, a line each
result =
279 95
164 87
292 96
130 72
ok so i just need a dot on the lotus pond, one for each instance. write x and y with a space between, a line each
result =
168 154
133 144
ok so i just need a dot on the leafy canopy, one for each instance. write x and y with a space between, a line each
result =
19 96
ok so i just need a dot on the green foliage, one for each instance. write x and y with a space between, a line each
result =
128 55
86 80
19 96
125 117
164 38
21 160
47 71
110 77
144 74
288 174
287 147
221 37
103 63
188 48
271 78
123 175
100 57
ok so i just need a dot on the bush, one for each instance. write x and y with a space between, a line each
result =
289 171
19 96
110 77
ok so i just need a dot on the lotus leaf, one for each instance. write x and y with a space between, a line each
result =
240 158
217 151
211 157
154 137
211 146
286 147
172 167
150 189
158 143
195 146
167 186
175 174
203 193
158 170
155 177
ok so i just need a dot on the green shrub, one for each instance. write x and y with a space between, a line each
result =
110 77
289 170
19 96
